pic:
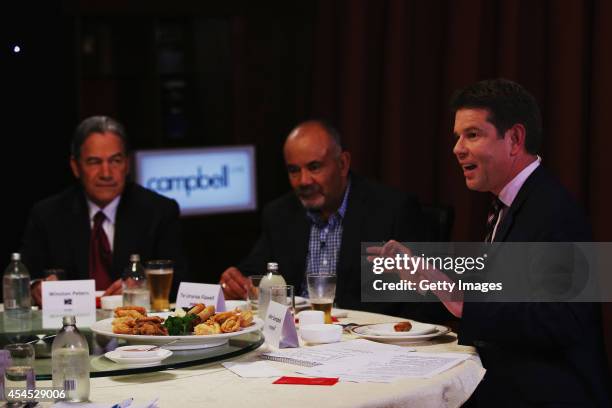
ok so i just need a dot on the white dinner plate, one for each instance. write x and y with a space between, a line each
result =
138 361
385 333
387 329
190 342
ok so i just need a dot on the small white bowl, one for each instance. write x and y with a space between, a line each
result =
308 317
140 351
321 333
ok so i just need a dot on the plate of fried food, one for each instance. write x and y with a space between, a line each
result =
400 332
198 327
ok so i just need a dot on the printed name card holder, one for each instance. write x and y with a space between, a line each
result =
69 297
190 294
279 326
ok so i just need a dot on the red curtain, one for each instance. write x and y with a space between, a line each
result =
384 72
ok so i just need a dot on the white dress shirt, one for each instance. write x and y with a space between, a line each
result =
110 211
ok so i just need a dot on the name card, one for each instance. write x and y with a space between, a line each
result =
190 294
72 297
279 326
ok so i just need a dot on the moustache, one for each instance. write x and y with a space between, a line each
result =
307 190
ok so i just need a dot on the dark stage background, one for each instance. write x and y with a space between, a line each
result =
200 73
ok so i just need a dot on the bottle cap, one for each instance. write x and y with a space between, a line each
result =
134 258
15 256
272 267
69 320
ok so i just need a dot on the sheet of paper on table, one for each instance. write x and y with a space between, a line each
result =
315 355
255 369
387 366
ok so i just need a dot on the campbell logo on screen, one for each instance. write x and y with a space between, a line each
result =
198 181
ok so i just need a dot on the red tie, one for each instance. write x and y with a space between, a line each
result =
100 257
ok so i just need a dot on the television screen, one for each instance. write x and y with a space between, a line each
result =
202 180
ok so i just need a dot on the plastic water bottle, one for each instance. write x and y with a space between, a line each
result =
16 289
70 362
135 289
272 278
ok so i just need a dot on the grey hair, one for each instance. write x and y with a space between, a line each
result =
96 124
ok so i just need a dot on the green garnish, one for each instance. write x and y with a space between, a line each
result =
180 326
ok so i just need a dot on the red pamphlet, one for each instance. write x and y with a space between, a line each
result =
306 381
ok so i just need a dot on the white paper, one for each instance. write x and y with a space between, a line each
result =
256 369
68 297
388 366
279 326
329 352
190 294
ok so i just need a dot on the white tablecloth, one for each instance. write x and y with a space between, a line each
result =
214 386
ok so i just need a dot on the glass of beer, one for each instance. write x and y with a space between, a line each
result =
159 279
321 293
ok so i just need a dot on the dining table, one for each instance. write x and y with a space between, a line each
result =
212 385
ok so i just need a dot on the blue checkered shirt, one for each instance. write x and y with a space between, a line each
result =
325 241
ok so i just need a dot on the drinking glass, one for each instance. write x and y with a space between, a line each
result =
321 293
283 294
253 292
159 279
19 372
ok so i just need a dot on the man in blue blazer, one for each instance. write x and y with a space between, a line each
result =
136 220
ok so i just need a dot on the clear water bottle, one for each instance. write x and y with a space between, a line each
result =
135 289
272 278
70 362
16 288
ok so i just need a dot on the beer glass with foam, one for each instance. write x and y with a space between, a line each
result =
159 279
321 293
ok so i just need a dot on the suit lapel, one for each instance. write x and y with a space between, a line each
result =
300 233
508 221
122 237
80 228
351 231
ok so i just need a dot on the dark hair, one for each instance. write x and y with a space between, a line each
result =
508 103
96 124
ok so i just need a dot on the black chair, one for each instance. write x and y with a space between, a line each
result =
439 222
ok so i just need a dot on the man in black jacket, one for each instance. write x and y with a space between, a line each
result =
321 224
539 353
61 230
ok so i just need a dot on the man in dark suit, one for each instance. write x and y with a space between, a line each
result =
62 231
540 353
548 354
329 206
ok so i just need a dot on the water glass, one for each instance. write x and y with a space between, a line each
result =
159 279
19 372
283 294
253 292
321 293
